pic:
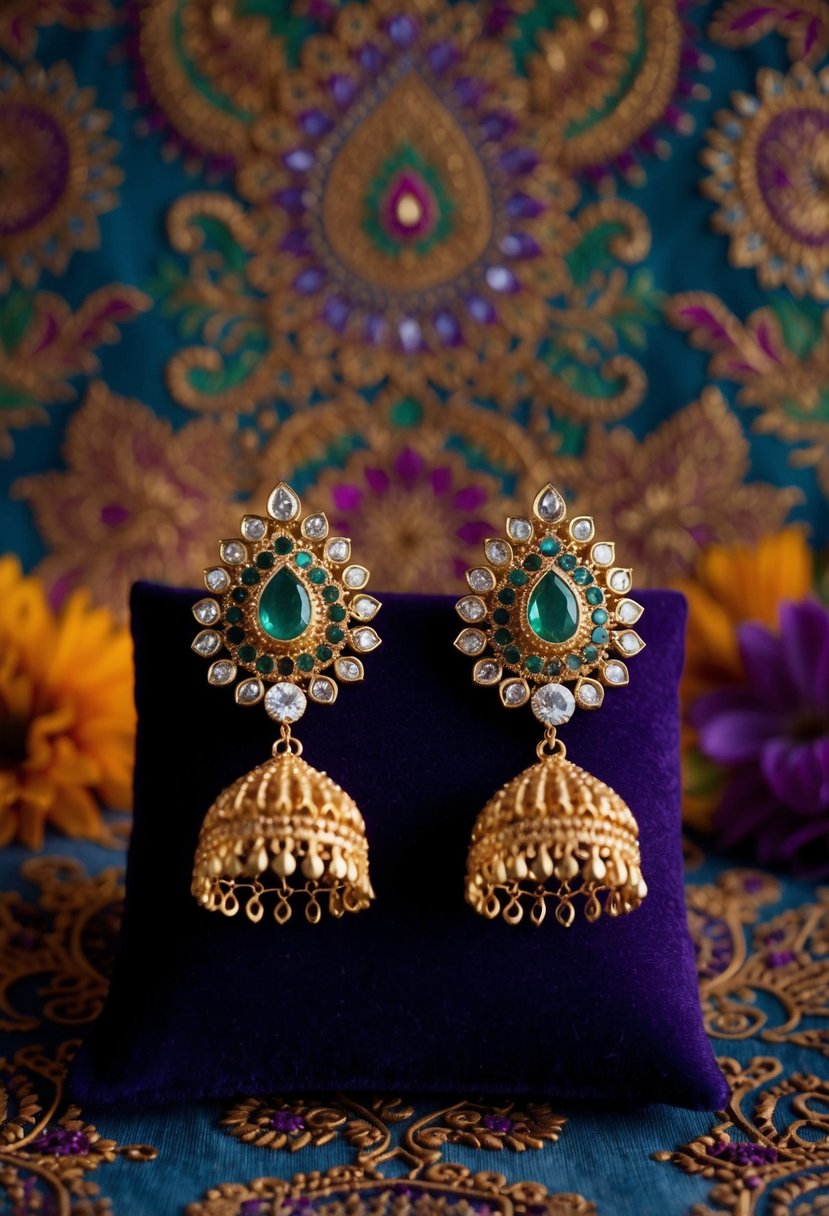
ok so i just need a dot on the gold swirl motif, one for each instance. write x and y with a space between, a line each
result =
554 824
285 818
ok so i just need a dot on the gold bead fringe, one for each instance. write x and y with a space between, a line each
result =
288 830
555 832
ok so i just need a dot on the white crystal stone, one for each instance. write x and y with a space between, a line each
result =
470 641
365 607
590 694
207 643
471 609
480 579
315 527
628 612
486 671
619 580
233 552
549 505
603 553
364 639
355 577
283 503
514 692
285 702
222 672
519 529
581 529
249 692
253 527
629 642
615 673
553 704
206 612
338 549
498 552
323 690
216 579
349 669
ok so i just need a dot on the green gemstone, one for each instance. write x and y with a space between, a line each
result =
500 616
512 654
503 637
265 664
552 667
283 545
264 560
567 561
582 577
334 634
235 635
336 613
593 595
518 577
239 595
506 595
549 547
599 617
331 594
533 663
303 560
305 662
324 653
318 576
590 654
553 610
233 616
247 654
284 606
250 576
285 666
532 562
574 662
599 635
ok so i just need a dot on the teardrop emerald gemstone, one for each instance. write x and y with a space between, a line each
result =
284 606
553 609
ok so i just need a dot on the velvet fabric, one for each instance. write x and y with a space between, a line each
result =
418 993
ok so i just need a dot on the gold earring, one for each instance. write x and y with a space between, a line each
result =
286 603
554 609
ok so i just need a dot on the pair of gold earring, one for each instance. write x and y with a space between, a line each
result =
548 608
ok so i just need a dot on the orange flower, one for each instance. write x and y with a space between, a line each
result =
731 584
67 722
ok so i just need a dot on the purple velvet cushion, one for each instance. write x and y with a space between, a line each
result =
419 993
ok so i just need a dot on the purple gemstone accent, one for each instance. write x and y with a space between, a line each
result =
298 160
410 336
743 1152
370 58
308 282
521 206
287 1121
780 958
441 56
497 124
441 480
518 161
402 32
377 480
342 88
290 200
45 143
315 123
502 280
481 310
113 514
336 312
447 328
376 329
469 91
297 242
408 465
519 245
498 1123
62 1142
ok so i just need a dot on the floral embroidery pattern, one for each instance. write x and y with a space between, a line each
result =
780 358
803 23
44 345
678 490
767 159
58 172
135 502
20 20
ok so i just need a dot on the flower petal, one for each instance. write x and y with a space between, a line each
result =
804 633
798 774
735 736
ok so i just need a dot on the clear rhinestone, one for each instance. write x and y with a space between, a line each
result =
549 505
207 643
338 549
514 692
590 694
364 639
349 669
285 702
619 580
470 641
615 673
628 612
355 577
553 704
206 612
486 671
498 552
629 642
315 527
471 608
216 579
283 503
222 672
519 530
365 607
233 552
253 527
480 579
249 692
323 690
603 553
581 529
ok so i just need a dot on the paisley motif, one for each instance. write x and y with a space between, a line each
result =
803 23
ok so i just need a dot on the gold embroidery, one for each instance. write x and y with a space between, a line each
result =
803 23
20 21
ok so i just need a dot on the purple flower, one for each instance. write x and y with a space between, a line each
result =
772 734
